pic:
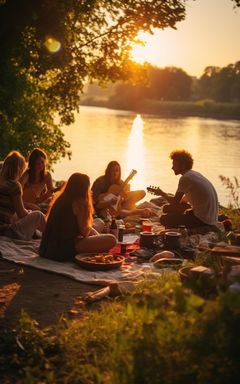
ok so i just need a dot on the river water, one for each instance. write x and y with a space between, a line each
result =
144 143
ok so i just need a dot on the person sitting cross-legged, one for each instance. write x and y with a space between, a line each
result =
195 202
70 227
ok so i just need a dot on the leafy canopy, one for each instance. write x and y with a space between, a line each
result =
92 41
50 48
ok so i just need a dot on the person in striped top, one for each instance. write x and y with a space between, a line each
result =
15 220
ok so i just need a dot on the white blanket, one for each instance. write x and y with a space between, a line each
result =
26 253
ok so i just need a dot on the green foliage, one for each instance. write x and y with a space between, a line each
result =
221 84
168 83
162 333
38 84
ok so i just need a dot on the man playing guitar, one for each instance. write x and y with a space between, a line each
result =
111 193
195 202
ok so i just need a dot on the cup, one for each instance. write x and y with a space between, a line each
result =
147 226
147 239
172 240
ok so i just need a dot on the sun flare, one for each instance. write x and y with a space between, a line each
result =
141 51
159 49
136 153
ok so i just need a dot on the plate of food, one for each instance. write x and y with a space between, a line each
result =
100 261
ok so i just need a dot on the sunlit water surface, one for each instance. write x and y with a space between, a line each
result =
144 143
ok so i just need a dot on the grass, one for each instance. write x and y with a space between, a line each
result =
162 333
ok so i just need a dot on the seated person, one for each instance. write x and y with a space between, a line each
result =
127 200
37 182
15 220
70 228
195 202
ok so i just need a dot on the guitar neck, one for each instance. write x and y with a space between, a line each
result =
123 185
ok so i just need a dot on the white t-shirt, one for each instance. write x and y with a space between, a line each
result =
201 194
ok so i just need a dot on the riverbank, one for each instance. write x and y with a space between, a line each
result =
201 108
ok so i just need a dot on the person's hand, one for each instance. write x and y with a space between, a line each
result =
147 212
113 200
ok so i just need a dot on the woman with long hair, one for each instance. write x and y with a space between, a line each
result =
15 220
37 181
70 228
101 186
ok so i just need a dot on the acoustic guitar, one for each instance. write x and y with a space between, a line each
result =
155 190
118 191
181 207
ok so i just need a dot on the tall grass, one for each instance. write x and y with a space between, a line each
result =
162 333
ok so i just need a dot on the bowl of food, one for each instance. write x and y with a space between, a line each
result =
168 262
99 262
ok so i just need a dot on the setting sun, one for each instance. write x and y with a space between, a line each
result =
154 49
141 52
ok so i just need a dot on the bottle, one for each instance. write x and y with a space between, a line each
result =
107 221
114 228
120 232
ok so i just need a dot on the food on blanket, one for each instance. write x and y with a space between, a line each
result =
160 255
99 262
102 258
168 263
129 228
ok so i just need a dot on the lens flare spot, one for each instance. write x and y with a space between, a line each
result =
52 45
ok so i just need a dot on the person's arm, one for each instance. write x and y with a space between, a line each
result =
24 179
49 185
49 182
79 210
19 206
170 198
97 190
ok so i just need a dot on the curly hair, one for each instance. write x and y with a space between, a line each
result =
182 156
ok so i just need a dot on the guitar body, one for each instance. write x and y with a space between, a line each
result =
115 209
117 190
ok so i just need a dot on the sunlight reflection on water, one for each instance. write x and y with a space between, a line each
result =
144 143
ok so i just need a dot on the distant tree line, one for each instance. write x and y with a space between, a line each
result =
221 84
173 84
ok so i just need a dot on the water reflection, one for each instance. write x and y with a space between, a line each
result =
135 154
144 143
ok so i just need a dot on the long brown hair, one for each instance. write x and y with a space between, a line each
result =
36 153
108 171
76 190
13 163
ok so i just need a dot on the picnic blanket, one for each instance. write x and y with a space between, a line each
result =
26 253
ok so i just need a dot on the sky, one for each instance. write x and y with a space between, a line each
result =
209 35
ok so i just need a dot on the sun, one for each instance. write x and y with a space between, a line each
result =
159 49
141 53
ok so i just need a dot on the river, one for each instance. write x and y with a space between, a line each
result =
144 143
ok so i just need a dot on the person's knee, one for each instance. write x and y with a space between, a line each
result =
111 240
38 218
142 194
98 224
163 220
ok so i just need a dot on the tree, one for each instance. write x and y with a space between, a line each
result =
221 84
48 50
169 83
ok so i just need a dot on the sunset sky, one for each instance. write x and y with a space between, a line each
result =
210 35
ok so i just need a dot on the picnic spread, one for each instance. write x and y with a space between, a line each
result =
140 255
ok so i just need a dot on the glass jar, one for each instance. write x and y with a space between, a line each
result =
183 231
